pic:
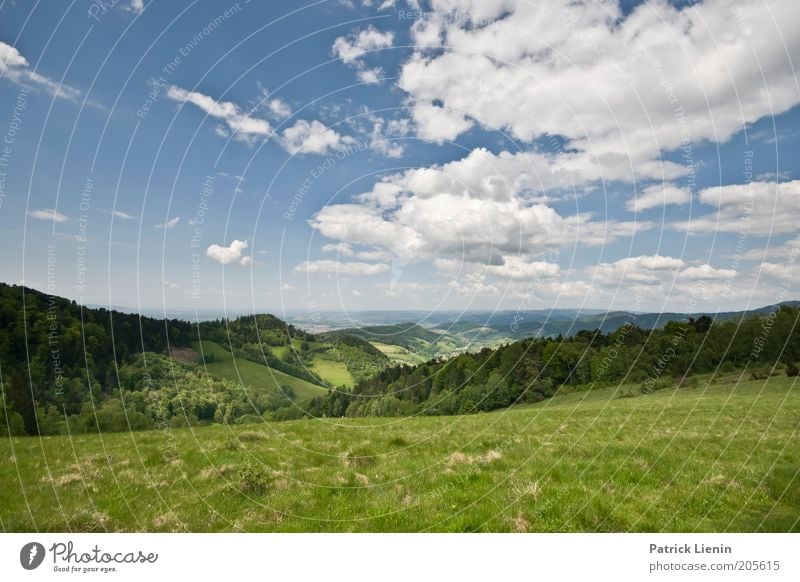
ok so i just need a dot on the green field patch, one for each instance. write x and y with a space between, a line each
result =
331 371
220 362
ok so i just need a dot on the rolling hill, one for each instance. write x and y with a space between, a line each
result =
692 459
63 362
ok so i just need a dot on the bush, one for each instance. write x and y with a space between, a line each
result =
183 421
253 479
761 373
287 413
12 422
51 422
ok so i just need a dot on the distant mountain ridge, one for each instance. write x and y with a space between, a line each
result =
476 330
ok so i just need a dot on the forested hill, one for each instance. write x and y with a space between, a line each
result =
62 360
535 369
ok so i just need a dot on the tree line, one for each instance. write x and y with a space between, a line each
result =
535 369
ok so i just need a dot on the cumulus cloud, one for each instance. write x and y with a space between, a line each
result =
48 214
705 273
507 175
631 85
790 248
232 254
381 137
757 208
477 209
15 68
243 126
370 76
642 269
352 50
518 268
273 107
658 196
341 268
303 137
279 108
312 138
788 271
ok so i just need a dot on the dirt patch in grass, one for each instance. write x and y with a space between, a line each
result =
184 355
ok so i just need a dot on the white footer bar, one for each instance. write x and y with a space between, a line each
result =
401 557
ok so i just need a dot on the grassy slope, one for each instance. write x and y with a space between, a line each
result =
722 457
253 375
398 354
333 372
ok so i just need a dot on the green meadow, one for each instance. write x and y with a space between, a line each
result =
718 455
219 362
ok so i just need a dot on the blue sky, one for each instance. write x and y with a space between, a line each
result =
388 155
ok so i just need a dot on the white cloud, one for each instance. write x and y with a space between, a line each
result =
782 271
341 268
340 249
15 68
706 272
516 267
790 248
380 137
353 48
629 85
231 254
435 123
312 138
136 6
386 4
171 223
279 108
303 137
642 269
274 107
757 208
49 214
658 196
477 209
123 215
378 255
244 126
370 76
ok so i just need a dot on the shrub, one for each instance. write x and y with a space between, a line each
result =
253 478
11 421
183 420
